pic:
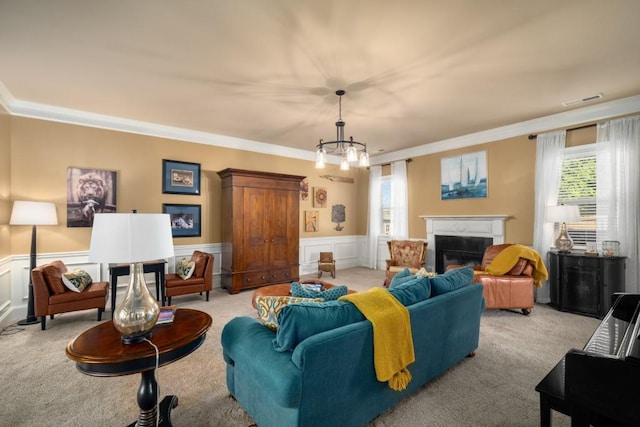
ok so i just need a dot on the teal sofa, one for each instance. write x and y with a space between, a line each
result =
317 369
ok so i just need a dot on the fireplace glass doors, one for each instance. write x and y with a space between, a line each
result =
460 250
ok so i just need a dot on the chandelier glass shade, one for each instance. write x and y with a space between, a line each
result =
350 151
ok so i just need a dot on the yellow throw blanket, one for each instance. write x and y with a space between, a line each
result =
508 257
392 340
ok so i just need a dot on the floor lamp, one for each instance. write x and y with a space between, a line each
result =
32 213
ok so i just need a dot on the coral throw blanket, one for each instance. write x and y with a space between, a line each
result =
508 257
392 340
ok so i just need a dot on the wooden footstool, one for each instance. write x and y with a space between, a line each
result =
284 289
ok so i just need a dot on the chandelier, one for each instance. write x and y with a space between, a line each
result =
350 151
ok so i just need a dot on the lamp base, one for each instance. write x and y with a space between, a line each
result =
29 321
135 339
564 242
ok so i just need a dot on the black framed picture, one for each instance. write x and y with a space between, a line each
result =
89 191
180 177
185 219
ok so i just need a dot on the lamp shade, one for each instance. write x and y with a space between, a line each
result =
33 213
563 213
130 237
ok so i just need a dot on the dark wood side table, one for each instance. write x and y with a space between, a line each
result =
551 390
156 266
99 352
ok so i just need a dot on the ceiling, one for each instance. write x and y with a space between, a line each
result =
415 72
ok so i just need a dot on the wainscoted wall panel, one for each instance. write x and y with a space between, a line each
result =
348 251
14 276
5 289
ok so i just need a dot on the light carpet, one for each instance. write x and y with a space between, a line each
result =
41 386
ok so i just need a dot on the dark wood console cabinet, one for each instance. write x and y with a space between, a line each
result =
260 228
584 284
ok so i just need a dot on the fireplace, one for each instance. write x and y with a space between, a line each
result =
460 250
478 230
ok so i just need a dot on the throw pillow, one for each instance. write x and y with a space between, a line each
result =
401 277
185 268
331 294
77 280
269 308
451 280
299 321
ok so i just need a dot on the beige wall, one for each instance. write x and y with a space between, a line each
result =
510 190
5 182
41 152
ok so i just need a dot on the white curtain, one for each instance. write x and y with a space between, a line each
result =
617 192
549 158
399 201
375 208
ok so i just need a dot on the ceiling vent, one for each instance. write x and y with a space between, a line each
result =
582 100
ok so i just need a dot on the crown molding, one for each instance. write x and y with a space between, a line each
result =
82 118
592 113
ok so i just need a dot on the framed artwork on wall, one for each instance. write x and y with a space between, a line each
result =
180 177
464 176
89 191
319 197
311 221
185 219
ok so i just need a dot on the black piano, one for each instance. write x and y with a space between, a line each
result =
598 385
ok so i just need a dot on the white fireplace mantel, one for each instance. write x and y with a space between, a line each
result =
491 226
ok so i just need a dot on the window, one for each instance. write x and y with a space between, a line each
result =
385 197
578 187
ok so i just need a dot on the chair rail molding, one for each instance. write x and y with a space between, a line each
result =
14 275
491 226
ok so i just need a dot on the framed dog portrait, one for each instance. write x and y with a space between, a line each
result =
89 191
180 177
185 219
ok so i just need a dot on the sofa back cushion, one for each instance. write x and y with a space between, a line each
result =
451 280
200 259
300 321
52 274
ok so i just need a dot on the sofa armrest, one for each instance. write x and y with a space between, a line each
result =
389 262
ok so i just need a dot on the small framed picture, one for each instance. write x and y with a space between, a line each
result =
180 177
185 219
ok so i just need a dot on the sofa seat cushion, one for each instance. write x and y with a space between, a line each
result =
94 290
173 280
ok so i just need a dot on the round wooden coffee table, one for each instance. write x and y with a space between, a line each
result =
100 352
284 289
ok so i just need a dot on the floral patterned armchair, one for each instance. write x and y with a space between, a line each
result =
404 253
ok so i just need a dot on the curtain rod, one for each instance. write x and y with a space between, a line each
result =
389 164
534 136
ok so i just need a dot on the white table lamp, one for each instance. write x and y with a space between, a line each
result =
132 238
563 214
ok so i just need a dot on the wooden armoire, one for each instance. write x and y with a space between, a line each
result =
260 228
